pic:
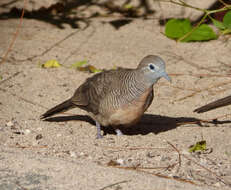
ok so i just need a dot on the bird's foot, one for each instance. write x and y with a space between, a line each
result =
118 132
98 136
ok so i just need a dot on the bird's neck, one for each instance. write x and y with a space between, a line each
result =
143 81
138 84
133 86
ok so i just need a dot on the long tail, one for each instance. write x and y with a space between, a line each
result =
64 106
213 105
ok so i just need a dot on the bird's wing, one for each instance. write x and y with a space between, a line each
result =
90 94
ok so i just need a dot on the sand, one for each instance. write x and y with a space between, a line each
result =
66 155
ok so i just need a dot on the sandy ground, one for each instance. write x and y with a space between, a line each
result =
66 155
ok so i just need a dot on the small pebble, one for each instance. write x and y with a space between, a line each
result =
72 154
164 158
130 159
203 161
151 154
186 152
38 137
34 143
89 157
27 131
217 184
120 161
10 124
81 154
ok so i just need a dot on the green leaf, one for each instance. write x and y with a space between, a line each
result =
227 19
128 6
227 31
218 24
176 28
199 146
79 64
51 64
202 33
93 69
1 77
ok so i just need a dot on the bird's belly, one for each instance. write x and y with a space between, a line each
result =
128 114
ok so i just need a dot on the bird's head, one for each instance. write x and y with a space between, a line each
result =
153 68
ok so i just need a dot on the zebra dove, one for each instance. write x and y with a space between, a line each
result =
213 105
116 97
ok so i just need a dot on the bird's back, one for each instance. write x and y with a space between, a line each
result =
89 95
106 92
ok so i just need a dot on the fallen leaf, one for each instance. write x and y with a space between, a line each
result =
128 6
89 68
79 64
199 146
51 64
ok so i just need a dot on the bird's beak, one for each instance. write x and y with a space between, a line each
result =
165 75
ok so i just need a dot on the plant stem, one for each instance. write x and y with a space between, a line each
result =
198 24
182 3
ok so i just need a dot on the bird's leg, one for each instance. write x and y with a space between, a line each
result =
118 132
99 136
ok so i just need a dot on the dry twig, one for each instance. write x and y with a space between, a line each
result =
16 34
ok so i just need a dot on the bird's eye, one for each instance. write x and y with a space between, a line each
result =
152 67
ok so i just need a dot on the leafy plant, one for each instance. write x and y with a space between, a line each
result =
201 31
224 26
178 28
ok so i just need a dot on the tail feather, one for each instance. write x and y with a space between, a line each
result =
213 105
64 106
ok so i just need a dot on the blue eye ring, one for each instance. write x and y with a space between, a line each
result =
152 67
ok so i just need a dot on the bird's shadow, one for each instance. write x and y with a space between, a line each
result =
148 124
